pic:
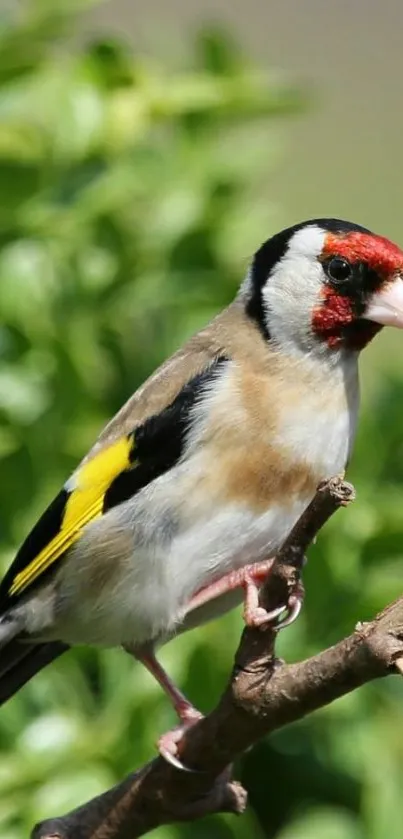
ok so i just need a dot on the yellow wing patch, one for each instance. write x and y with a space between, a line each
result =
84 505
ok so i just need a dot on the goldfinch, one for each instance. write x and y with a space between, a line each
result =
208 465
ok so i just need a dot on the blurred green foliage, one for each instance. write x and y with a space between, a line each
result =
131 196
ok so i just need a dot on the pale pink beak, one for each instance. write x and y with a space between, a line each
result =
386 306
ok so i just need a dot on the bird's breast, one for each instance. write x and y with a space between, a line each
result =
269 439
254 471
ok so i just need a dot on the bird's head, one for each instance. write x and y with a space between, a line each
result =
327 285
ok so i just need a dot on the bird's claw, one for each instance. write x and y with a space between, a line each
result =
256 616
168 742
293 607
293 610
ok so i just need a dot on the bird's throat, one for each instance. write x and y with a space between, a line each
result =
335 322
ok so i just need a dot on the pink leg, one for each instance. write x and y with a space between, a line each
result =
249 578
182 706
187 713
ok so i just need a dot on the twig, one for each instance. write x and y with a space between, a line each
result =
262 695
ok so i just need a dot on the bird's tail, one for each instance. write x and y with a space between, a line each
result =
21 658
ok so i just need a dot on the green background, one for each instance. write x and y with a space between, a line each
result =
133 191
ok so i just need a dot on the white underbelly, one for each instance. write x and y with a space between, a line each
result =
231 539
148 598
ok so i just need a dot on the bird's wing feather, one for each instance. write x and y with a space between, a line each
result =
115 471
78 503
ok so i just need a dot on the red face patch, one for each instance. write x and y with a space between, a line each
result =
378 253
335 319
331 318
334 312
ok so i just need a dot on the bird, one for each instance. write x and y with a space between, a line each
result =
175 514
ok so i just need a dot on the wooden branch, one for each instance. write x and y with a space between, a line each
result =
263 694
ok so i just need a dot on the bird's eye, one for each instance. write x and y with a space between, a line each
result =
338 269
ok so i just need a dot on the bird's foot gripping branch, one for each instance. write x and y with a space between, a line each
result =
262 695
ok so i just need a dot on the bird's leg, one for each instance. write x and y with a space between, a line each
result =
187 713
250 578
182 706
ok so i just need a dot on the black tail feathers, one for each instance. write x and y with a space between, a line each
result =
20 658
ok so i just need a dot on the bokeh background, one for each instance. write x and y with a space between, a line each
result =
146 149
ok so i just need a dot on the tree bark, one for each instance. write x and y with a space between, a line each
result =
263 694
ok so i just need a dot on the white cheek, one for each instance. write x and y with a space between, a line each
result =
293 288
290 296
